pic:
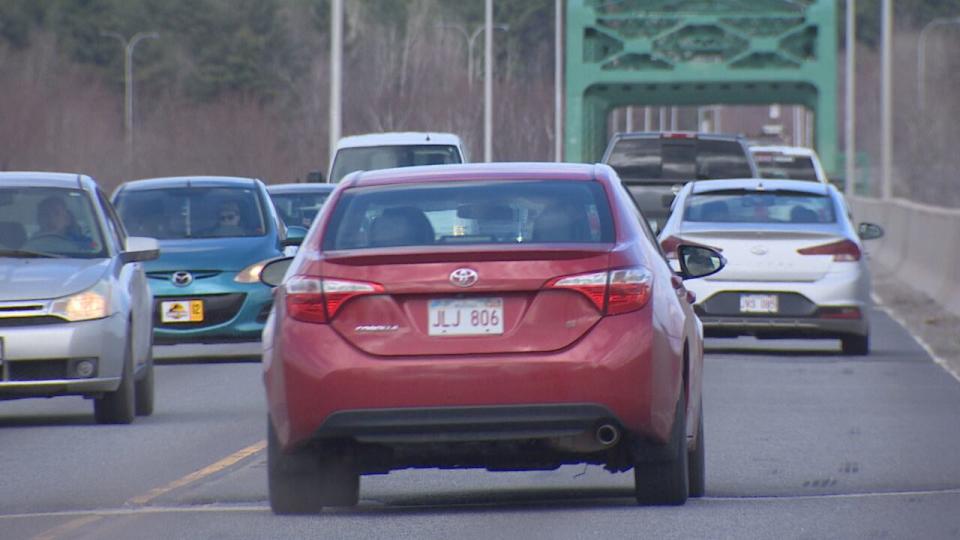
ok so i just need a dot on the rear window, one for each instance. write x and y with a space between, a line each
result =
298 208
370 158
786 167
759 207
515 212
656 159
194 212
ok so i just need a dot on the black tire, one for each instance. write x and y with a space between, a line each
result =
855 345
144 388
306 481
667 483
697 462
117 407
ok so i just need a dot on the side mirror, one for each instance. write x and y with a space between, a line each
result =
699 261
140 248
869 231
273 272
295 236
315 176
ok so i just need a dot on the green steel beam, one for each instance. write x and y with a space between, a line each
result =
698 52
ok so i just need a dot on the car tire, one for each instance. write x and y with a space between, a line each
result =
696 462
304 482
144 388
855 345
667 483
117 407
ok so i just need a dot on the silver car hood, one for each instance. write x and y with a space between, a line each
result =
39 279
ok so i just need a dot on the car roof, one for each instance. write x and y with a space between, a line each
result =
677 135
190 181
760 184
301 187
479 171
43 179
399 138
785 150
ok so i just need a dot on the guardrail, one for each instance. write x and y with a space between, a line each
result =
921 245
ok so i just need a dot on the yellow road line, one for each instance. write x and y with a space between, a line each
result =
197 475
141 500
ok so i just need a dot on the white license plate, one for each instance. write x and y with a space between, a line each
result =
466 317
181 311
758 303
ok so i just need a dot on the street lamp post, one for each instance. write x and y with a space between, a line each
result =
922 53
471 39
128 47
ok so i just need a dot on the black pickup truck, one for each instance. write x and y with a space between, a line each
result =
655 165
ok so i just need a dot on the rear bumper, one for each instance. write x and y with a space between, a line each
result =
320 386
782 327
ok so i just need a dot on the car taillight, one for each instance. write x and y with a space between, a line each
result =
614 292
317 300
670 244
842 251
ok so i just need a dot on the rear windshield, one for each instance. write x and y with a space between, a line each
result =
655 159
194 212
786 167
298 208
759 207
370 158
514 212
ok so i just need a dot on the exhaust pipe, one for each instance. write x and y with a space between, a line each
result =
607 435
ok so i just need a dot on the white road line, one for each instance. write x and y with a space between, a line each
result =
937 359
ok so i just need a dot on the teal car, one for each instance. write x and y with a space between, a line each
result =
215 235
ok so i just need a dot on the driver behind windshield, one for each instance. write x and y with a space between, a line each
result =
55 219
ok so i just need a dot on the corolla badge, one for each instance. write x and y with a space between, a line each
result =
464 277
181 279
759 250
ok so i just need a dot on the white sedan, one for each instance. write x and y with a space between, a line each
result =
795 261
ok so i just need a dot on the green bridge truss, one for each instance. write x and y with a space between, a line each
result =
698 52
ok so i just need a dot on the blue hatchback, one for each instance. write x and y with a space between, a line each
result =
215 235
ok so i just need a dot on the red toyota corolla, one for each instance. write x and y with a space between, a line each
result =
507 316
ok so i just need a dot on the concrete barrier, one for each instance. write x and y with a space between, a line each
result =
921 245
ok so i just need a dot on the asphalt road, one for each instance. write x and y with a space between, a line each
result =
801 443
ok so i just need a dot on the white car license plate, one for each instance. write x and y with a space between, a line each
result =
466 317
181 311
758 303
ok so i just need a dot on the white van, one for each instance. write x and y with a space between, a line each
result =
387 150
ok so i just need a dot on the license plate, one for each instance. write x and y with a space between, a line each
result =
758 303
181 311
466 317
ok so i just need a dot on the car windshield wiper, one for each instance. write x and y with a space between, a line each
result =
25 254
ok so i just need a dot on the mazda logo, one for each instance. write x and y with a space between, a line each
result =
464 277
181 279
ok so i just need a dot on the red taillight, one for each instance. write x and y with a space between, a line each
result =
317 300
850 313
613 292
842 251
670 244
677 135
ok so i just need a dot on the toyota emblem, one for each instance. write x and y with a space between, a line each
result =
464 277
181 279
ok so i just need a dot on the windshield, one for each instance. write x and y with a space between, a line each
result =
654 159
470 213
369 158
194 212
298 208
786 167
52 222
759 207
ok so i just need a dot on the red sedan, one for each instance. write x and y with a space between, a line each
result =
500 316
